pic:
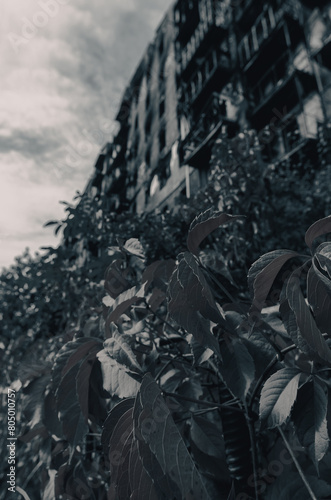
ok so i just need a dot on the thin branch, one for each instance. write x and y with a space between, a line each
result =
252 438
294 346
299 469
200 402
163 369
32 473
257 387
23 493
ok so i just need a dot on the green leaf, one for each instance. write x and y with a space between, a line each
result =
112 418
129 477
207 437
118 348
154 426
200 353
124 301
319 299
278 395
300 322
70 414
238 368
71 353
319 228
191 302
289 486
83 381
262 275
203 225
134 247
158 273
116 380
322 267
310 419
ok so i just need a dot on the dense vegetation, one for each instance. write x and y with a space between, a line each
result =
146 367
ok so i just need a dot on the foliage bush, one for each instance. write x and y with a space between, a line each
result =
173 388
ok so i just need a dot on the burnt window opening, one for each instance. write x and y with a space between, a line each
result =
148 100
148 157
148 124
161 46
162 108
162 74
162 139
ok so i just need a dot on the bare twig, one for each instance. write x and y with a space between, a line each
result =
203 403
299 469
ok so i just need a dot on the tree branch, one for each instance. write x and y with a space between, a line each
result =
299 469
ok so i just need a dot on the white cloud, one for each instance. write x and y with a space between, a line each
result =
59 89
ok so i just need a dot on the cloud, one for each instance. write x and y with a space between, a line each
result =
60 91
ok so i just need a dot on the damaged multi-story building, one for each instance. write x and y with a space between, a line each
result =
219 68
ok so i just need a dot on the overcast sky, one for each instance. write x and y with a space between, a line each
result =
63 67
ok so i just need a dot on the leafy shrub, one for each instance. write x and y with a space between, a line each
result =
183 391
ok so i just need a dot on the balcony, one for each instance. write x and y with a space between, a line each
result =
186 16
281 141
264 27
209 77
213 24
323 55
279 87
213 116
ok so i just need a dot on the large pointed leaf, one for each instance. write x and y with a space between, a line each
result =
83 381
322 267
191 301
205 224
207 447
134 247
118 348
278 395
310 419
116 380
158 273
319 299
322 226
33 406
262 275
207 437
154 425
129 478
300 322
113 417
73 422
289 486
238 368
124 301
71 353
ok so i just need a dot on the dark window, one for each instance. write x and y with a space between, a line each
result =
162 108
162 139
148 157
161 46
148 125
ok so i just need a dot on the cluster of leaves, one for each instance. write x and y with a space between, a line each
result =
183 393
270 196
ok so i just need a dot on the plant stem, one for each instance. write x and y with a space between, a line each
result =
272 363
162 370
205 403
299 469
252 438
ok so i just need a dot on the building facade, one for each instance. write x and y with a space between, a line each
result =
218 69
